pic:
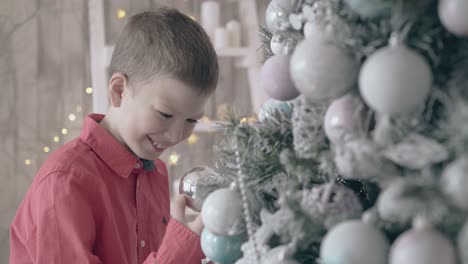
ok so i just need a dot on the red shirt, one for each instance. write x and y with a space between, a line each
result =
92 202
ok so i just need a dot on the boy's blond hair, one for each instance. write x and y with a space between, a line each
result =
168 43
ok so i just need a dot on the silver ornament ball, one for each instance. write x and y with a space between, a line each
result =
195 187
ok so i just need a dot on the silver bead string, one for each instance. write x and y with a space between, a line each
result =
245 204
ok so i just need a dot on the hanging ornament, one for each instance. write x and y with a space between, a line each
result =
196 185
222 249
277 15
222 212
331 203
370 8
452 14
276 80
395 80
271 106
284 43
354 242
322 71
422 245
455 182
344 117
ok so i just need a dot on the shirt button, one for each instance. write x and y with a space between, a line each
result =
142 243
137 165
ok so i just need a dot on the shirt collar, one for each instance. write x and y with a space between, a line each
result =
111 151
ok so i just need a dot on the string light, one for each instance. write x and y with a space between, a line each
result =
27 162
72 117
193 139
64 131
46 149
248 120
121 13
56 139
89 90
205 119
174 158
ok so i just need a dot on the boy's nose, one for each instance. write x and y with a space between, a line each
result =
175 133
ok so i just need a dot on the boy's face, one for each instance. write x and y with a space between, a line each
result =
158 114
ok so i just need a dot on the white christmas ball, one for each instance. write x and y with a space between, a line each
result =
395 80
222 212
422 246
453 15
322 71
455 182
277 15
354 242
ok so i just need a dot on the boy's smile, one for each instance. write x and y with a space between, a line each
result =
151 117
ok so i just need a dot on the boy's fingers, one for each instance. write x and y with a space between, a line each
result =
178 211
197 225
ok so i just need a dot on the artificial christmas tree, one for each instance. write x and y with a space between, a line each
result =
370 166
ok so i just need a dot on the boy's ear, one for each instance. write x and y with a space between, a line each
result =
117 88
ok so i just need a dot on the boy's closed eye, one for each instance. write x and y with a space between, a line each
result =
168 116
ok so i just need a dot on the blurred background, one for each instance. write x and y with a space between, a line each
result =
53 59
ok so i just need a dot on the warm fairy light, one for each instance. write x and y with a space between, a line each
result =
193 139
192 17
205 119
121 13
249 120
174 158
27 162
56 139
46 149
72 117
89 90
64 131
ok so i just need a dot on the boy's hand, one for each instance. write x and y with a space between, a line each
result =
179 214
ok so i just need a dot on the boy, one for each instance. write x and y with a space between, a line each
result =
101 198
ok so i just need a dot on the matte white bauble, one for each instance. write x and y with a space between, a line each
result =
222 212
453 15
395 80
321 70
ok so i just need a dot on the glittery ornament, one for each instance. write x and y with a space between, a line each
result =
354 242
277 15
422 245
222 249
276 80
222 212
370 8
284 42
322 71
195 186
455 182
332 203
395 80
452 14
271 106
307 122
344 117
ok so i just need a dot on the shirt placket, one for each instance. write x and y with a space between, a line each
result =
141 240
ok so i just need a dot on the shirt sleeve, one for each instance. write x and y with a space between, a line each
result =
63 229
179 246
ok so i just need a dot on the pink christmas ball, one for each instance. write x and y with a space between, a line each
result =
344 116
276 79
453 15
422 246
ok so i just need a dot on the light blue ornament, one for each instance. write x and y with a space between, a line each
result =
354 242
272 105
371 8
222 249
